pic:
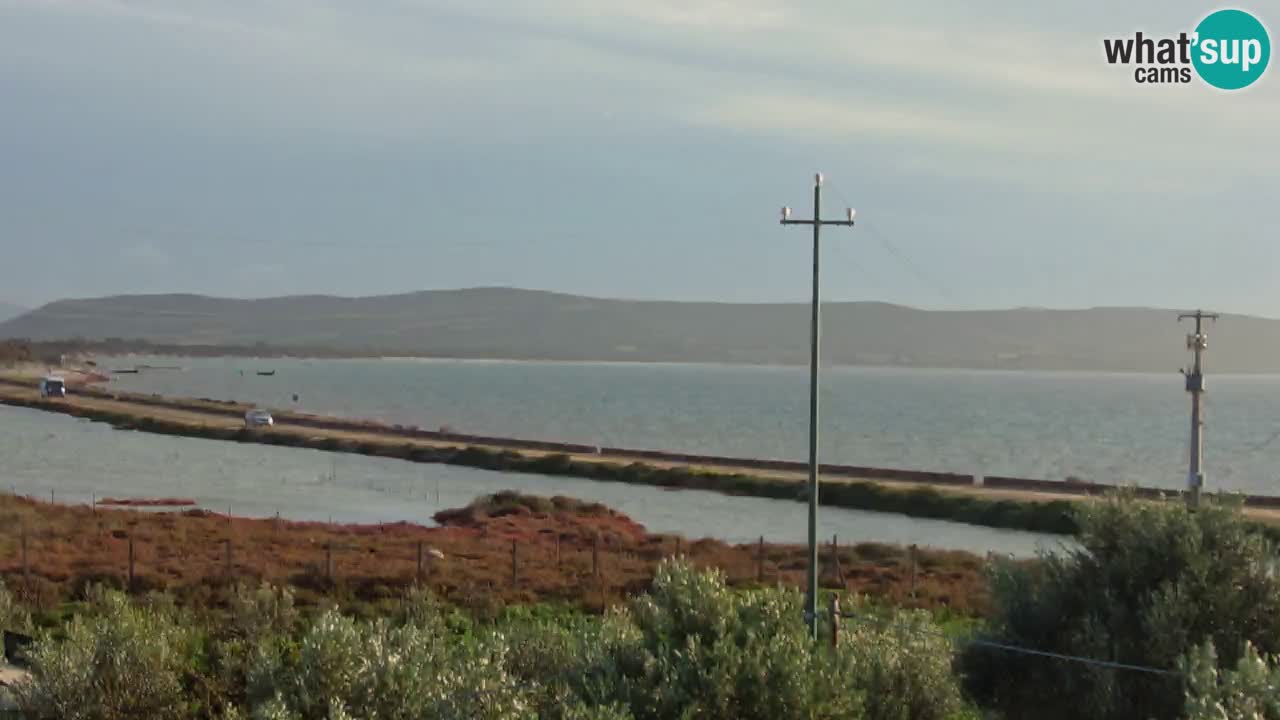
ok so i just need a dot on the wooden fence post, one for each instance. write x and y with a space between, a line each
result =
595 555
328 560
229 566
25 567
515 566
835 620
558 563
418 575
760 560
677 546
912 552
131 576
835 560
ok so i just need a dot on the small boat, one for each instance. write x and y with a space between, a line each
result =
125 371
267 373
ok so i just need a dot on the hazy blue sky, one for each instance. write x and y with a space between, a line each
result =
638 148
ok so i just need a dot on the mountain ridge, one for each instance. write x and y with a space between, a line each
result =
512 323
8 311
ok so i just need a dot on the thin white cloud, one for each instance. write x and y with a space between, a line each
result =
425 69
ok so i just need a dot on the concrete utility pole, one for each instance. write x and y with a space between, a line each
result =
1196 342
815 335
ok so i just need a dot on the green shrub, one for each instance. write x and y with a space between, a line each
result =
125 661
901 664
1249 691
695 648
1148 582
345 668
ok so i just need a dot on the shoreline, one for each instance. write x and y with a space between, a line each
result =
1017 504
303 353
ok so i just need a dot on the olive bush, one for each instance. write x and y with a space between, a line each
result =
124 660
257 618
1146 584
1249 691
693 647
902 665
344 668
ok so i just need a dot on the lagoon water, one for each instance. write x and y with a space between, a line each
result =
78 460
1116 428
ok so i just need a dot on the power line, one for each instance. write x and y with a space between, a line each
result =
911 266
1110 664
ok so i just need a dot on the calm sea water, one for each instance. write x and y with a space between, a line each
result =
1117 428
77 460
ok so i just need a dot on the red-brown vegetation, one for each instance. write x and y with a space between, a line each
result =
468 559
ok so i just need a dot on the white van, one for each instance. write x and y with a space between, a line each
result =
53 386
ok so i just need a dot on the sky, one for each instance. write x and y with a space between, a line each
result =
630 149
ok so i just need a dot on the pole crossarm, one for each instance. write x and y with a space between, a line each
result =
846 223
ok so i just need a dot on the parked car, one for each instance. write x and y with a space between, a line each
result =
53 386
258 418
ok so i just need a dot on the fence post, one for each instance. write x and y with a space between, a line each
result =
912 552
131 562
229 573
418 575
51 500
595 555
835 620
328 560
515 575
25 568
677 546
760 560
558 564
94 502
835 560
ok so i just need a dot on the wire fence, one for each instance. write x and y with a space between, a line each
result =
995 645
49 553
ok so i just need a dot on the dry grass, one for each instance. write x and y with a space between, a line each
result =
185 553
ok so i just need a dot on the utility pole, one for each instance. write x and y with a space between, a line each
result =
815 336
1196 342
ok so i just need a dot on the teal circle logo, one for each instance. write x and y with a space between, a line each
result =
1232 49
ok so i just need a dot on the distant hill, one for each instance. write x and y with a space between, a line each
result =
524 324
8 310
